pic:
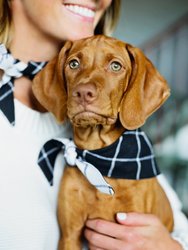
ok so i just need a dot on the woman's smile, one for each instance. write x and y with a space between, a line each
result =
81 11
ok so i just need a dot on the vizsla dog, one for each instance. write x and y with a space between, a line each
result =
107 88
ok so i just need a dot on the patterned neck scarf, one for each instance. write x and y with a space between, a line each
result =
130 157
12 69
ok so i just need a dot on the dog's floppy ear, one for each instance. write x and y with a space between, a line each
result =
49 86
146 91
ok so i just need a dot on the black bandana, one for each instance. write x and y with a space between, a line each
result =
13 68
130 157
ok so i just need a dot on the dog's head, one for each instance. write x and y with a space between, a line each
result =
100 80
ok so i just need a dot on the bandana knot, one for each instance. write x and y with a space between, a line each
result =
70 152
47 156
10 66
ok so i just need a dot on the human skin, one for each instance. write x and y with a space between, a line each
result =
39 28
135 231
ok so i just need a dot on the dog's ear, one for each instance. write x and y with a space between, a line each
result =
49 86
146 91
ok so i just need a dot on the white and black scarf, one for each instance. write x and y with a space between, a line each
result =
12 69
129 157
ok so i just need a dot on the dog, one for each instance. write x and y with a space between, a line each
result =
106 88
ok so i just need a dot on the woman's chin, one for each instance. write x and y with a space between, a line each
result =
80 35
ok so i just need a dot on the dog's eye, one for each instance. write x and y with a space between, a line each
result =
74 64
115 66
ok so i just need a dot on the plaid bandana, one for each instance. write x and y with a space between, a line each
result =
130 157
13 68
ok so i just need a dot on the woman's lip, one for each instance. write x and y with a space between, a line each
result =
81 11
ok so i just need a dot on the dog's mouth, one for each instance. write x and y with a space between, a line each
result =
89 118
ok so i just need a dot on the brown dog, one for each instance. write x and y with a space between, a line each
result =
105 87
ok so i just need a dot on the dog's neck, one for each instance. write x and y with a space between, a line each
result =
92 138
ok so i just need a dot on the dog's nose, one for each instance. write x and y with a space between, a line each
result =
85 93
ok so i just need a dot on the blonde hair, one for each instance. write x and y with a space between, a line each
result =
105 25
109 20
5 21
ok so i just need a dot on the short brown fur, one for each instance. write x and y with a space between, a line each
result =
101 104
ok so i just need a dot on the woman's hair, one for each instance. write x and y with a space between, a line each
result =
5 21
105 26
109 20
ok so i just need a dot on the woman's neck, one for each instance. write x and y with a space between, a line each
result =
35 50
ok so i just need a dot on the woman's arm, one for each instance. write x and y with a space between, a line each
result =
180 232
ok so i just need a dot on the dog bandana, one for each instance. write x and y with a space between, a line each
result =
13 68
130 157
48 155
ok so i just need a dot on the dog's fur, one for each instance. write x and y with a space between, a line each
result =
101 104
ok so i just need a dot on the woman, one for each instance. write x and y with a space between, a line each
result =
35 30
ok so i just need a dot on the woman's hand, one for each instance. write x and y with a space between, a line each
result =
135 231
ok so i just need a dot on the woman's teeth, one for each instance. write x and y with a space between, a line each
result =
81 10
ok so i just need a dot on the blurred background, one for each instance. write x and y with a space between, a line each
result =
160 29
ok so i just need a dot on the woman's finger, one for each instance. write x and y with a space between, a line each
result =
111 229
134 220
91 247
102 242
137 219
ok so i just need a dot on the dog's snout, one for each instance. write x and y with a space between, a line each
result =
85 93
